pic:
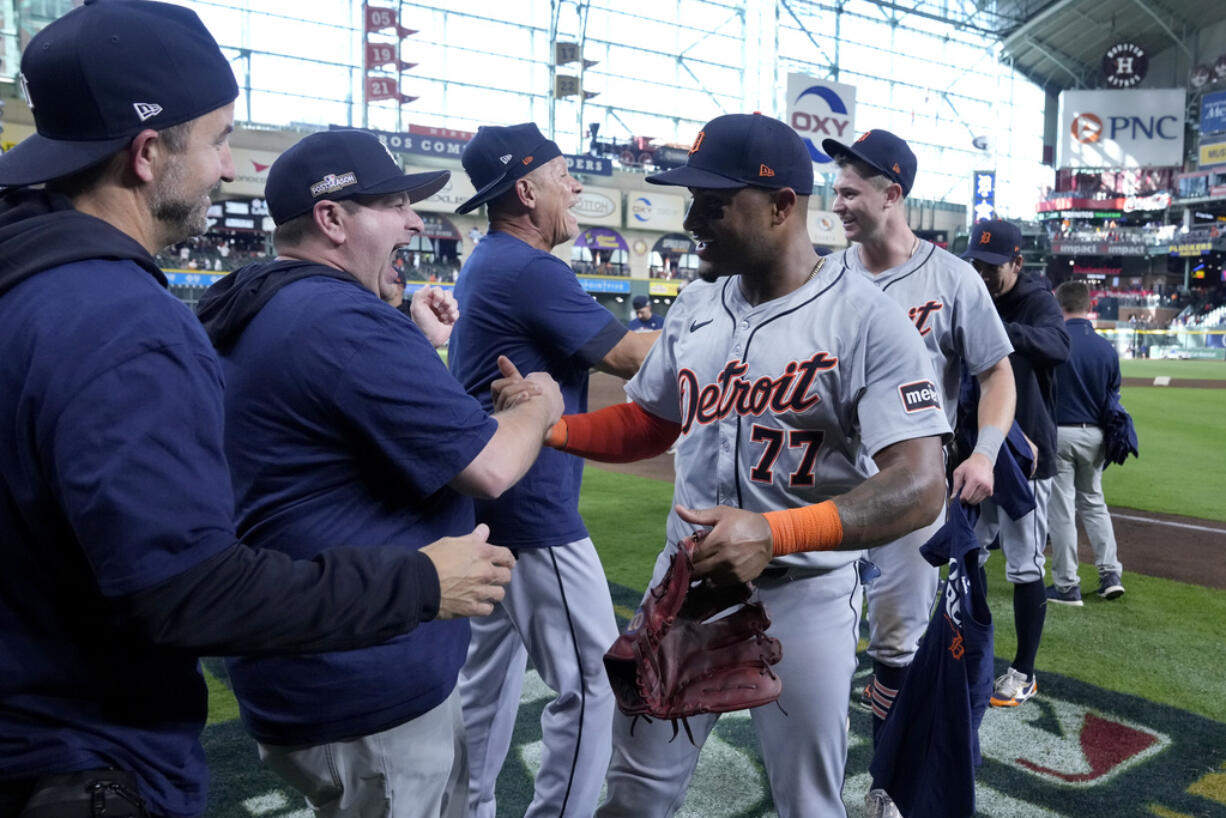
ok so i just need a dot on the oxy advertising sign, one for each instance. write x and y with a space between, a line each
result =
1121 129
821 109
599 206
655 211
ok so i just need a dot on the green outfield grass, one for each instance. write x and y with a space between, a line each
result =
1144 644
1181 469
1190 370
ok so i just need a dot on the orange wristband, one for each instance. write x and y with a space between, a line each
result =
556 437
808 528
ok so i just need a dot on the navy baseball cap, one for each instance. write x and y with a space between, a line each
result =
337 165
743 150
640 301
497 156
995 241
882 151
104 72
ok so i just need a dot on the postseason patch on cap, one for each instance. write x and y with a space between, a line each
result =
918 396
333 182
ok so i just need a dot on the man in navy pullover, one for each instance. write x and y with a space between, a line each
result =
343 424
121 564
1040 343
1087 381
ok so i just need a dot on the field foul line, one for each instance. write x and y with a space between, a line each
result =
1152 521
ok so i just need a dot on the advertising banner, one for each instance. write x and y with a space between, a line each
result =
983 195
250 172
599 206
1212 153
1121 129
1213 112
826 229
821 109
457 191
655 211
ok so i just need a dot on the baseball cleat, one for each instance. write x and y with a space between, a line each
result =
1013 688
1110 586
1067 596
878 804
865 698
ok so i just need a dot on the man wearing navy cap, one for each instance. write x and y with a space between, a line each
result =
518 299
644 319
342 424
117 535
952 311
1035 326
783 376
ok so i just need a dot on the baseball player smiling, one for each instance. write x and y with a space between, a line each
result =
810 429
950 307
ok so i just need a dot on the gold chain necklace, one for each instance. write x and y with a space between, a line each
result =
821 260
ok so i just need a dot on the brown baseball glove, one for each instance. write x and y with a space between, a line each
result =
675 661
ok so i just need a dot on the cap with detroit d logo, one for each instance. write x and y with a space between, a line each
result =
744 150
337 165
499 155
995 241
104 72
883 152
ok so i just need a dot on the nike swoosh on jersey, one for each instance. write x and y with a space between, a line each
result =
697 325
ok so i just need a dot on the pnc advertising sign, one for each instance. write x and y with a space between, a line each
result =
821 109
1121 129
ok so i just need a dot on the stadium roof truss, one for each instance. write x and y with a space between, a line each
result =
1060 43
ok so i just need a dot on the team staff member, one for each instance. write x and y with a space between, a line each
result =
1040 343
644 319
342 424
784 375
116 514
1085 383
951 309
516 298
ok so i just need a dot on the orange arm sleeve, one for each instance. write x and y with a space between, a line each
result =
808 528
616 434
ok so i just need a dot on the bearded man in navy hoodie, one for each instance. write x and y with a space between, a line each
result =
117 537
1035 327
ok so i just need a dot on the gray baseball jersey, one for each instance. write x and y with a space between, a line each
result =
777 402
951 308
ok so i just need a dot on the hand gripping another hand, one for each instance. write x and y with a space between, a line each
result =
471 573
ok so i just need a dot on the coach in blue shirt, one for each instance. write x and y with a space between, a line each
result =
343 424
1085 384
116 513
644 319
518 299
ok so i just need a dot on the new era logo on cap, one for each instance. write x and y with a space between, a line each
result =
729 153
147 110
25 91
505 158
